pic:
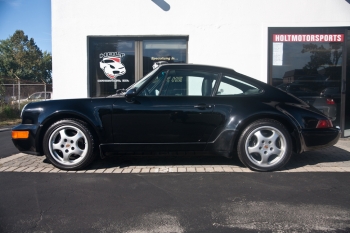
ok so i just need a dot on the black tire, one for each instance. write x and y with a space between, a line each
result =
265 145
69 145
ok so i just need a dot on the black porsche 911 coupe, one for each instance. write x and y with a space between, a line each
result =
177 107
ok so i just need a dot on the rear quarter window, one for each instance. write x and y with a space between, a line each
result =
233 86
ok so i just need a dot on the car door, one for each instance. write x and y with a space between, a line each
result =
176 107
232 97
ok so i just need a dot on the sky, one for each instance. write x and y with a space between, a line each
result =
31 16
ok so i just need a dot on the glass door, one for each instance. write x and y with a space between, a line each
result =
117 62
309 64
111 65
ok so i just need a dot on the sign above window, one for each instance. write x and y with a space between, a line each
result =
308 37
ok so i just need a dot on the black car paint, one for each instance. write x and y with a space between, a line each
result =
212 123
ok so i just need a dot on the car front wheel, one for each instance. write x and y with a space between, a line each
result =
69 145
265 145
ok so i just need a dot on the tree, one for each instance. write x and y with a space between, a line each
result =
321 56
21 57
324 60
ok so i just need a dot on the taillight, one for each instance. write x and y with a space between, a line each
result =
324 124
330 101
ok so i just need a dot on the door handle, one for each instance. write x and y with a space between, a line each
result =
203 106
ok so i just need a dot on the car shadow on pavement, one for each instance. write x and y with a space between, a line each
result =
329 157
165 159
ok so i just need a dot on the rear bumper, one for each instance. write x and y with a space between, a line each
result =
313 139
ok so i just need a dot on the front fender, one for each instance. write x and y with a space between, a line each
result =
96 113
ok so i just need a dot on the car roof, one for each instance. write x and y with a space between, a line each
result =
209 68
189 65
198 66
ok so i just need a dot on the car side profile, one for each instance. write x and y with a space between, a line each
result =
178 107
39 96
36 96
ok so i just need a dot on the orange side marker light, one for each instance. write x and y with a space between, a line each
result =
20 134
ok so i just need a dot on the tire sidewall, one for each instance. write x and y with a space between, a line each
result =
243 156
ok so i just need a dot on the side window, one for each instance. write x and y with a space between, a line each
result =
154 87
233 86
189 83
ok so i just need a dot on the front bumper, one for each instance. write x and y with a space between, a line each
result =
29 145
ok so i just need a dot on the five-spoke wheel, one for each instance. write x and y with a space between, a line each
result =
265 145
68 144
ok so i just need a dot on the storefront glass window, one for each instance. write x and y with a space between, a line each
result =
157 51
115 61
309 66
111 66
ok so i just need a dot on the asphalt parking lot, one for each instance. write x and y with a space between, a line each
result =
170 192
332 159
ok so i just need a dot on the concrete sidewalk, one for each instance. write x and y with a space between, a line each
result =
332 159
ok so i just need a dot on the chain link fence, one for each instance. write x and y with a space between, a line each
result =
16 91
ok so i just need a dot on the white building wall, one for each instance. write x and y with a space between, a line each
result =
226 33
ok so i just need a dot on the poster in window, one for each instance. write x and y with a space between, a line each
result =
277 54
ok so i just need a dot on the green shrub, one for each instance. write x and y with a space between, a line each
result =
8 111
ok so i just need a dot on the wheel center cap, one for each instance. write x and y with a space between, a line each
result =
68 145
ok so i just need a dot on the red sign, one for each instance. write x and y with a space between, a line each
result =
308 37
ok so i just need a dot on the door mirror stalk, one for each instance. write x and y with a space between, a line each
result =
130 95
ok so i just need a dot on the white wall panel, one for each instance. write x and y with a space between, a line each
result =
221 32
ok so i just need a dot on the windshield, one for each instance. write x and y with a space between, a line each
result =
142 81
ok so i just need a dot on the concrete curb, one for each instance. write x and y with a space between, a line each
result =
5 129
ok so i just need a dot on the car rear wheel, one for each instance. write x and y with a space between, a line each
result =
69 145
265 145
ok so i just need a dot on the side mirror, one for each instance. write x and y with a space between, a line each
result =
130 95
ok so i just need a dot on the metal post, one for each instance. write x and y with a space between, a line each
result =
19 92
44 88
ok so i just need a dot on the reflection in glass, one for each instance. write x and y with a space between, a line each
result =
170 51
312 72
